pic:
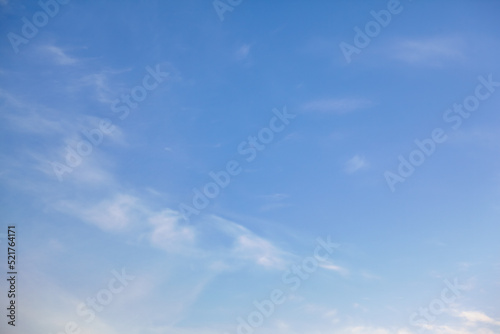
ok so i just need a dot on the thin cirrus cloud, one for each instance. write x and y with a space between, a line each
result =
336 105
355 164
27 118
249 246
124 212
474 317
332 267
199 276
112 214
432 51
55 132
58 55
274 201
259 250
169 234
244 247
275 197
243 51
464 322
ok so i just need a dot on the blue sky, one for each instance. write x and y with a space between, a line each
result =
303 137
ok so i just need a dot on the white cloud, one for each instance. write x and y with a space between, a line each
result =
336 105
370 276
470 322
59 55
431 51
168 233
51 124
243 51
333 267
354 164
249 246
27 118
100 82
258 249
110 214
332 316
274 201
275 197
33 123
474 317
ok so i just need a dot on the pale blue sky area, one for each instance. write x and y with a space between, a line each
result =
203 148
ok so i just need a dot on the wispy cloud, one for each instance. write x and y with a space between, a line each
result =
259 250
332 267
355 164
274 206
168 232
369 276
275 197
111 214
248 246
474 317
27 118
274 201
336 105
33 123
106 89
430 51
243 51
58 55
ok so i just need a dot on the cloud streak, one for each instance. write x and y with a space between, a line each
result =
336 105
355 164
433 51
